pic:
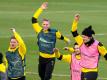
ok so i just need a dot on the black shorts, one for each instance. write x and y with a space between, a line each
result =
89 75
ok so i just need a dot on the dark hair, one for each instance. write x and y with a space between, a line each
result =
1 58
13 37
88 31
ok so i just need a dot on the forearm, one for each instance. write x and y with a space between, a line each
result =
61 37
71 49
74 26
66 58
66 39
37 13
18 37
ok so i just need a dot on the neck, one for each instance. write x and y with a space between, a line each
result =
90 42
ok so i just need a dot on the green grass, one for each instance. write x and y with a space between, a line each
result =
18 13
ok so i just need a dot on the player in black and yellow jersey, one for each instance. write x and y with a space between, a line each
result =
3 68
16 57
90 48
46 42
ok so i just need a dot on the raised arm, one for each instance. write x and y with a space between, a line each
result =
22 46
35 23
75 34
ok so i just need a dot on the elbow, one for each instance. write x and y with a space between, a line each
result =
62 37
74 33
60 58
34 20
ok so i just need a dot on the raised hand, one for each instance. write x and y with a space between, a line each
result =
44 5
12 29
77 16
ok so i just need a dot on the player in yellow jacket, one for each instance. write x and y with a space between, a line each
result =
3 68
91 49
16 57
46 42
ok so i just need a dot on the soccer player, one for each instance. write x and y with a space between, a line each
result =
90 48
46 42
3 68
73 59
16 57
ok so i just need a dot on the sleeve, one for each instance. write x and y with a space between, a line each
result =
66 58
61 37
22 46
102 50
75 34
35 24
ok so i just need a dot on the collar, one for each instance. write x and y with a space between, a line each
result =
12 50
46 31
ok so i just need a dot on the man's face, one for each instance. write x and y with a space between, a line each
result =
86 38
13 43
46 25
76 49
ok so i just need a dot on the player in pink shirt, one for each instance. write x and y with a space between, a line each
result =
73 59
